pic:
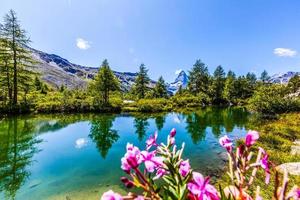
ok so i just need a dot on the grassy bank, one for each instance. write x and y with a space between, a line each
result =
276 137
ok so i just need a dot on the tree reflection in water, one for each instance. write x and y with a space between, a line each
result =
102 134
141 125
218 119
17 147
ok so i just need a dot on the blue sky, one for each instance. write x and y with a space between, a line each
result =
242 35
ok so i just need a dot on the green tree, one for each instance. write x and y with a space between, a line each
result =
141 82
229 89
104 82
294 84
160 89
218 84
264 77
5 71
198 78
20 60
103 134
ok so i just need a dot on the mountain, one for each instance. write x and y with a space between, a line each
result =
283 78
58 71
181 80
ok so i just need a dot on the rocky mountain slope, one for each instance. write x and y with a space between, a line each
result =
58 71
283 78
181 80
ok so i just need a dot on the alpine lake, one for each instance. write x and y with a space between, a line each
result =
77 156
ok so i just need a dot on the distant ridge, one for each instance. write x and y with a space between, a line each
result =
283 78
58 71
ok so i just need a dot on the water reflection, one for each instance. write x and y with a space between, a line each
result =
160 120
141 124
17 147
21 139
215 118
102 134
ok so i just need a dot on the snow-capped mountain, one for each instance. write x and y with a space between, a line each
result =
283 78
181 80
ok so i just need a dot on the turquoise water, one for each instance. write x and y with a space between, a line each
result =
78 156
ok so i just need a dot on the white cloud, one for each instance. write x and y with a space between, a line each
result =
82 44
80 143
176 120
284 52
178 71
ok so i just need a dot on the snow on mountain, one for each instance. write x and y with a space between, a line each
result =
283 78
181 80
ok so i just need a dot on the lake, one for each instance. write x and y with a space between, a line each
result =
77 156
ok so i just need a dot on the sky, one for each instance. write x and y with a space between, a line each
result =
167 36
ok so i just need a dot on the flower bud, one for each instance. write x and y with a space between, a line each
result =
128 183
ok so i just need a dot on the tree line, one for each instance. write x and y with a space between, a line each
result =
22 89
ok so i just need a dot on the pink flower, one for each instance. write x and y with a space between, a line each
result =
226 143
173 133
201 189
264 163
151 141
131 159
251 138
160 173
184 168
151 161
110 195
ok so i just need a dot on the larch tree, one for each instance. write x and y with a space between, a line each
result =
141 82
104 82
20 60
264 77
218 84
229 88
198 78
160 89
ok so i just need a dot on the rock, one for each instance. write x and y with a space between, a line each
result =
297 142
295 150
292 168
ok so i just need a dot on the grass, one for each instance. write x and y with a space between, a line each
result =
276 137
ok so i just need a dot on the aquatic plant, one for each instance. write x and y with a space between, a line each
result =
161 173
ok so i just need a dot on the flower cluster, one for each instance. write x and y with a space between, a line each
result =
162 173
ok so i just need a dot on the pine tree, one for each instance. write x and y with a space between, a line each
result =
218 84
264 77
229 88
104 82
160 89
21 61
5 71
198 78
141 82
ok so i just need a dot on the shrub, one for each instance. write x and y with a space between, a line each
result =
273 99
152 105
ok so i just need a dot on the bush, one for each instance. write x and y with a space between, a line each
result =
273 99
152 105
